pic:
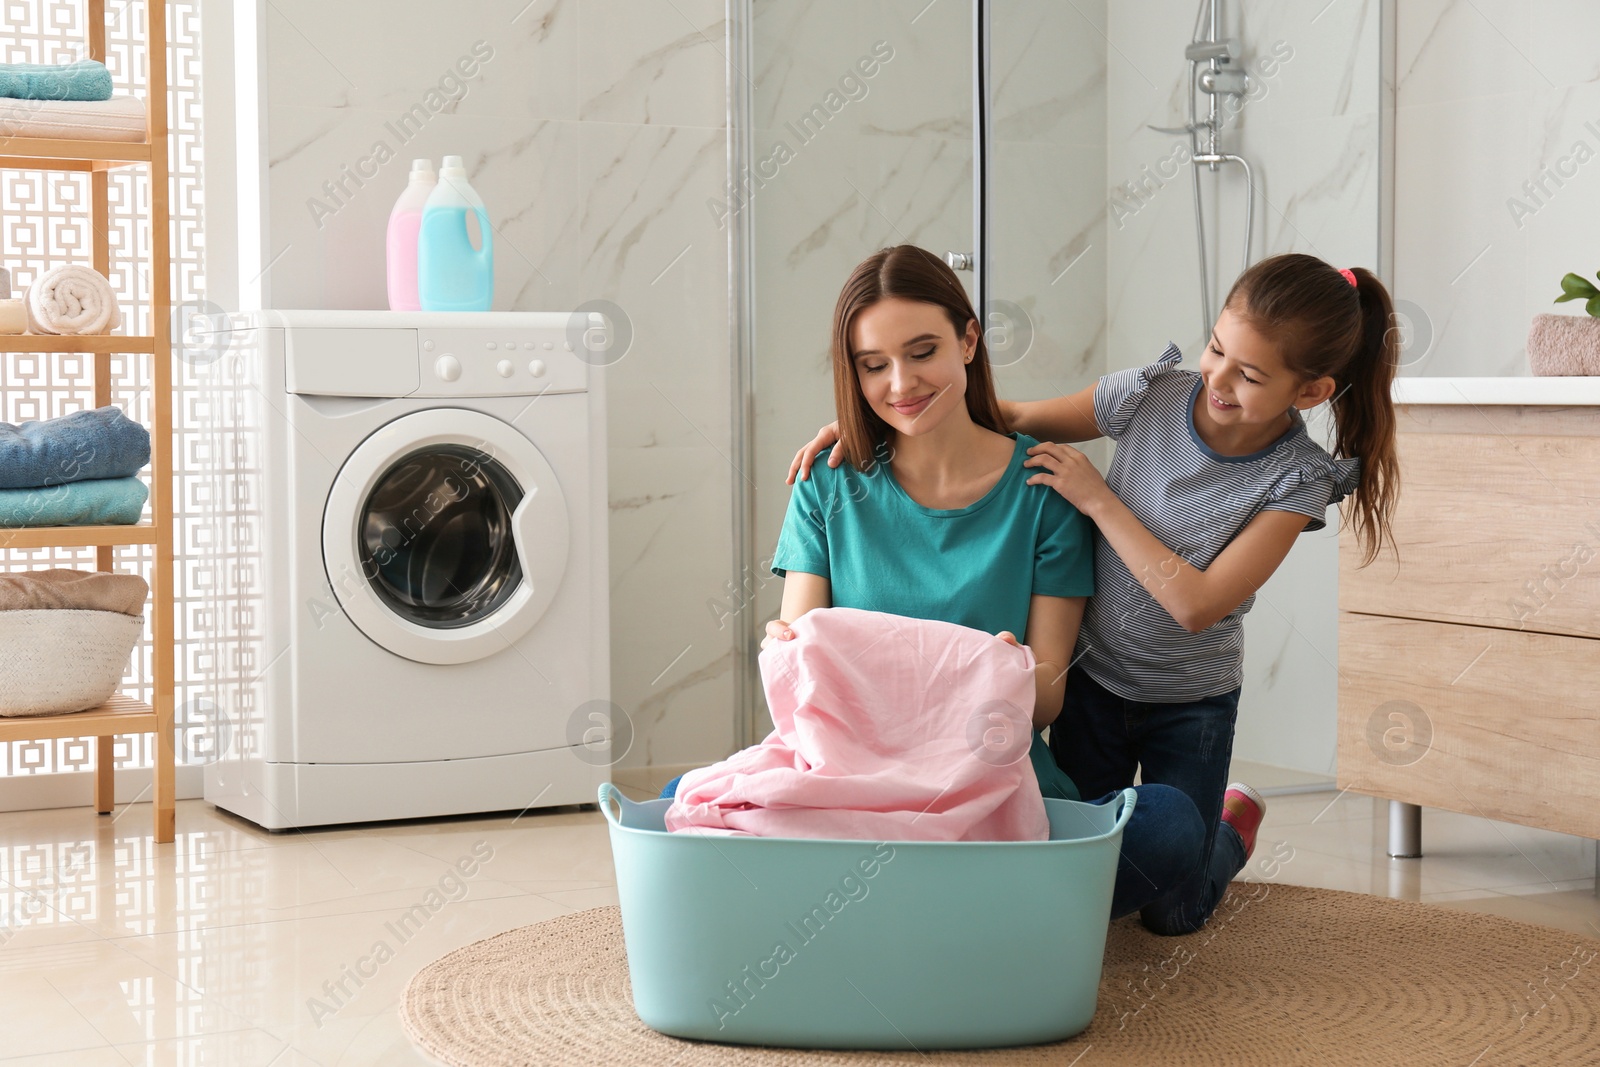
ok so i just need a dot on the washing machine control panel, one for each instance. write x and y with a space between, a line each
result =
453 355
474 362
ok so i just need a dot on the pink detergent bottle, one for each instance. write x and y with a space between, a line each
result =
405 221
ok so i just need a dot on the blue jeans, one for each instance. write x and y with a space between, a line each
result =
1099 740
1160 845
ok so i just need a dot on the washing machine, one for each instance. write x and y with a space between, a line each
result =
405 567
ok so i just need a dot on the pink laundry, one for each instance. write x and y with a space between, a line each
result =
885 728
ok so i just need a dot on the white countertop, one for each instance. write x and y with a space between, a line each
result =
1563 392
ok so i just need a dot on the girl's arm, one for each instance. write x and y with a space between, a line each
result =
1061 418
801 593
1052 633
1195 598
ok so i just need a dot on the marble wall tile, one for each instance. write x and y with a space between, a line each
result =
802 49
1288 703
1049 256
596 136
649 62
930 93
1048 72
1312 60
649 245
1454 51
328 221
328 55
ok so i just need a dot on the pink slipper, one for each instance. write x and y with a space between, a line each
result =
1243 809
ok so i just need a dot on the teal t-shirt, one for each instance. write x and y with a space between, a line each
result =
975 566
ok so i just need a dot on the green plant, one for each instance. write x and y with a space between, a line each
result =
1575 288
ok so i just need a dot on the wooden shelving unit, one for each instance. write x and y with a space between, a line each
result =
120 714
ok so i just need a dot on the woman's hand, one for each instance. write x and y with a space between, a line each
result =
826 436
777 630
1009 638
1068 472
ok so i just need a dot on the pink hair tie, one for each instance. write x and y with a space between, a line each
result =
1349 275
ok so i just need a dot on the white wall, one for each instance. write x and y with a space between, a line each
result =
595 133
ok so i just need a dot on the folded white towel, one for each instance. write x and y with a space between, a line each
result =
72 299
122 118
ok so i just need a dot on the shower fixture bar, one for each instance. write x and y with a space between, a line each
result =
1222 77
1225 51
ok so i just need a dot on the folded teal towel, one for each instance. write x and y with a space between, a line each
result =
83 80
97 502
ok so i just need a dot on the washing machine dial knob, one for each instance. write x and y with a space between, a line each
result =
447 367
505 369
536 368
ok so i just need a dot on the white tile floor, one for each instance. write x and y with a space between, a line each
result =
229 945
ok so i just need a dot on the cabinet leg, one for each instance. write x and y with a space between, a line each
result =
1405 830
105 778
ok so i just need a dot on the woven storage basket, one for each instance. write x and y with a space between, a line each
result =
59 660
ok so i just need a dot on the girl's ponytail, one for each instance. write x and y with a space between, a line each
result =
1305 307
1364 416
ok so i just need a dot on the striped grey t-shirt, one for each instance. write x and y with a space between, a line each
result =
1195 501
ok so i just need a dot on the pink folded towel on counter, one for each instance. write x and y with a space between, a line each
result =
885 729
1564 344
73 590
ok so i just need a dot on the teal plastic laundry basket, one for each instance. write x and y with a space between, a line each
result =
861 944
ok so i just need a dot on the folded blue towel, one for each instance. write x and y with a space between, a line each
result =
86 79
100 502
94 443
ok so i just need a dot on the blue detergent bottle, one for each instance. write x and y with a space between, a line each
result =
455 246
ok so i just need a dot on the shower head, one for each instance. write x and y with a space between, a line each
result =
1225 50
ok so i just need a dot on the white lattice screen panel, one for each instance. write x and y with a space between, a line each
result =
45 221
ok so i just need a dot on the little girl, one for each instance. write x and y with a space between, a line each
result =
1213 478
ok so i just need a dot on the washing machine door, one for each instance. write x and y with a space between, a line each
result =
445 536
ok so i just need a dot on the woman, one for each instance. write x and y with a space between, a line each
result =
932 514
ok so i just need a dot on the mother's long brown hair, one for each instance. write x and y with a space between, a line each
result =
910 273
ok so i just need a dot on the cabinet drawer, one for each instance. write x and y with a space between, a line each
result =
1493 529
1484 721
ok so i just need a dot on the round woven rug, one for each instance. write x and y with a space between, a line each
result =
1281 975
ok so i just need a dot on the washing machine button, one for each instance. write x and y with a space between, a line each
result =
536 368
447 367
505 369
491 346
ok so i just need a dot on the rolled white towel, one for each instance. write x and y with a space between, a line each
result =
72 299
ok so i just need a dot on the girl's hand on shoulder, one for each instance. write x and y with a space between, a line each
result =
1069 472
803 459
777 630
